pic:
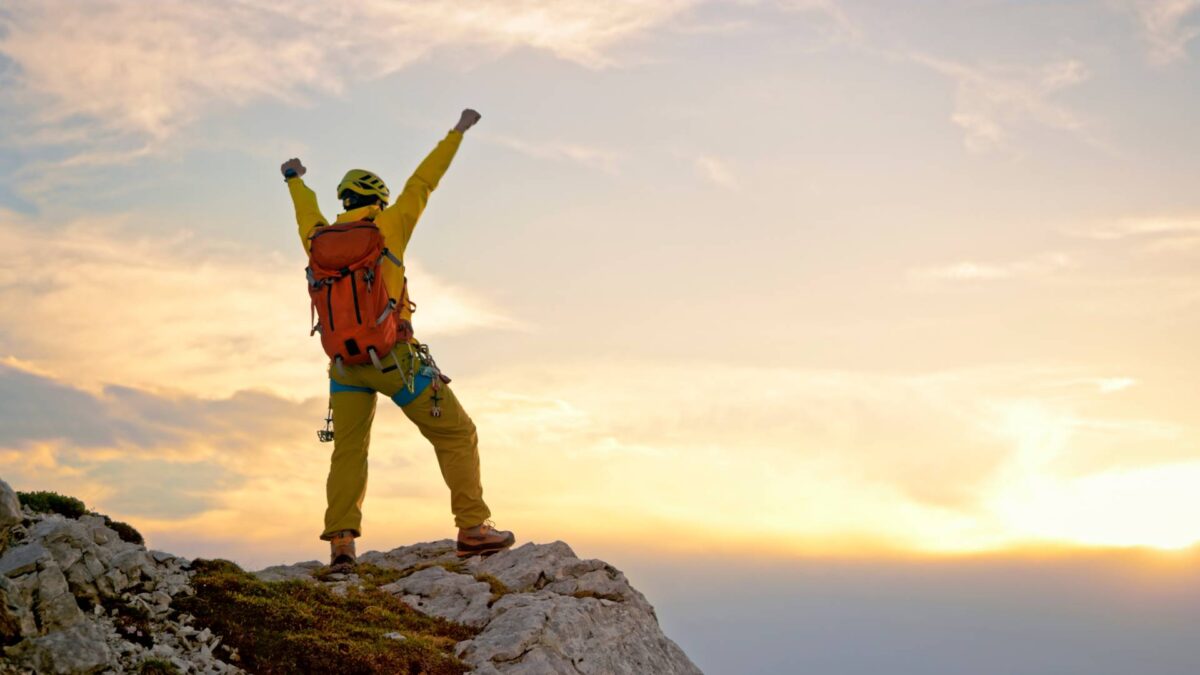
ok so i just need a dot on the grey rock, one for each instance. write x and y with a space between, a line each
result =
407 557
55 606
23 559
78 650
54 528
19 594
102 535
82 578
65 554
555 567
303 571
13 622
10 508
134 563
544 633
439 592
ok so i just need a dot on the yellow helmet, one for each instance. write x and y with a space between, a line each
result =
364 183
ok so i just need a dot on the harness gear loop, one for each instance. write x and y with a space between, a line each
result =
436 378
337 362
375 358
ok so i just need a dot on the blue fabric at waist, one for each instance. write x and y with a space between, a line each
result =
401 398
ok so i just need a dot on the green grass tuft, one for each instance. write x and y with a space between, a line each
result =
499 590
52 502
124 530
301 627
157 667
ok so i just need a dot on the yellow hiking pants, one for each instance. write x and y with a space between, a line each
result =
352 397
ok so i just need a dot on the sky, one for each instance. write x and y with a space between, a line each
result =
773 283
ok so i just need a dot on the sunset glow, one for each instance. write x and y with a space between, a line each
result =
796 278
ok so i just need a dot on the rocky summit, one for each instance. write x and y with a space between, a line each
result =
77 598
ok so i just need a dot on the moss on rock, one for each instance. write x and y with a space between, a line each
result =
297 626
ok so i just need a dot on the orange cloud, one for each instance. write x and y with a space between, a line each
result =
177 312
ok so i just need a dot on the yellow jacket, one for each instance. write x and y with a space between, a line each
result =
396 222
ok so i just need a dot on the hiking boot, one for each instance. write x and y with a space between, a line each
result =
483 540
341 552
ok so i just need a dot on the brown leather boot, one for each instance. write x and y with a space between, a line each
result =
341 551
483 539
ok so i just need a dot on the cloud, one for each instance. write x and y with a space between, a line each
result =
990 102
118 68
1167 27
841 27
100 303
591 156
971 271
716 172
1152 235
797 457
136 452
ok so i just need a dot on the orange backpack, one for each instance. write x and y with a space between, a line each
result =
355 315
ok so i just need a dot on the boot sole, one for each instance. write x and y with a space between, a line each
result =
483 550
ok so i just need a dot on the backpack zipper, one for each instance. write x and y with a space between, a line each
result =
354 292
329 304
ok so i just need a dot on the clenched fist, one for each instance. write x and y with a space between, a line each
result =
468 120
292 168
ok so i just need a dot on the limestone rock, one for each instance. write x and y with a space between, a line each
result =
438 592
555 567
407 557
10 508
55 606
23 559
561 614
78 650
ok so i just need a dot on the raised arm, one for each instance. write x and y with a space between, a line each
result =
400 219
308 213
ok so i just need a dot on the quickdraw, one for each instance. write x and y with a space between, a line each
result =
430 368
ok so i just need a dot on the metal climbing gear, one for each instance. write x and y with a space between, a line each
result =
326 435
430 369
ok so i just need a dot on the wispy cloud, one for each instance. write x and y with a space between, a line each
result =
102 304
591 156
990 102
841 27
1152 235
118 67
716 171
968 271
1167 27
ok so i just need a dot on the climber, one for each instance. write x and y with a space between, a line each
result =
364 319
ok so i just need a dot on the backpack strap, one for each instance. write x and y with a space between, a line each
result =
391 306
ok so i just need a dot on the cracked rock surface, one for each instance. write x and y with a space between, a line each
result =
541 609
76 599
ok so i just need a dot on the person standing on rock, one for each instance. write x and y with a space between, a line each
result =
363 314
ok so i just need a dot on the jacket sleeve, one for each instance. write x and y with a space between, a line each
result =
308 214
398 221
